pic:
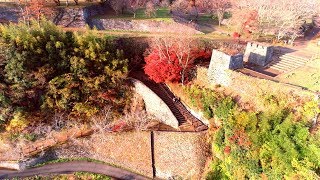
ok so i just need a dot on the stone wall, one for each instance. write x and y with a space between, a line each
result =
142 25
63 16
155 105
258 54
81 16
220 66
43 144
179 154
129 150
9 13
69 17
163 154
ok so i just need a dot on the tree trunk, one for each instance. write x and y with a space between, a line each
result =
57 2
220 17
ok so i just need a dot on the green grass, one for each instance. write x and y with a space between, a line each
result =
71 159
83 159
76 175
307 76
161 14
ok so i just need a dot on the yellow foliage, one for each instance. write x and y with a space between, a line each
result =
18 123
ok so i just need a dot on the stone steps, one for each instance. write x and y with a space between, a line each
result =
185 119
288 62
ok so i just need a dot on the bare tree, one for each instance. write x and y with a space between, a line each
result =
283 18
220 7
134 5
57 2
180 6
150 9
117 5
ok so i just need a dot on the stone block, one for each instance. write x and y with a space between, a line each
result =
258 54
224 61
220 64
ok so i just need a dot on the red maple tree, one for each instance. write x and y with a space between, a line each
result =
250 25
163 69
171 59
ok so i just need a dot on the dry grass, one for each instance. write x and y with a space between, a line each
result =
307 76
129 150
180 154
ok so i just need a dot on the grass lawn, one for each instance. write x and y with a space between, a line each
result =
307 76
161 14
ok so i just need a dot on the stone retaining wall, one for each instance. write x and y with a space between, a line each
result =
81 16
128 150
155 105
69 17
63 16
9 13
220 66
167 154
43 144
142 25
179 154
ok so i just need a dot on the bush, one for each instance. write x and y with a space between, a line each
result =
46 69
269 143
18 123
274 143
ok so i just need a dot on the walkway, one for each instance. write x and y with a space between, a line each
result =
74 166
187 122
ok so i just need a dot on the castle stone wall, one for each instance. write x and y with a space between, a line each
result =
258 54
155 105
220 65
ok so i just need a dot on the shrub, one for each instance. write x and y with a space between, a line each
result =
18 123
272 144
269 143
46 69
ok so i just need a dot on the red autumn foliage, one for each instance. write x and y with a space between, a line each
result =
241 139
162 69
227 150
118 127
35 9
168 65
251 23
236 35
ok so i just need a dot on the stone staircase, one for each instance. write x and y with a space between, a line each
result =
285 62
187 122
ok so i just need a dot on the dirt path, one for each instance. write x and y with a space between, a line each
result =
73 166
